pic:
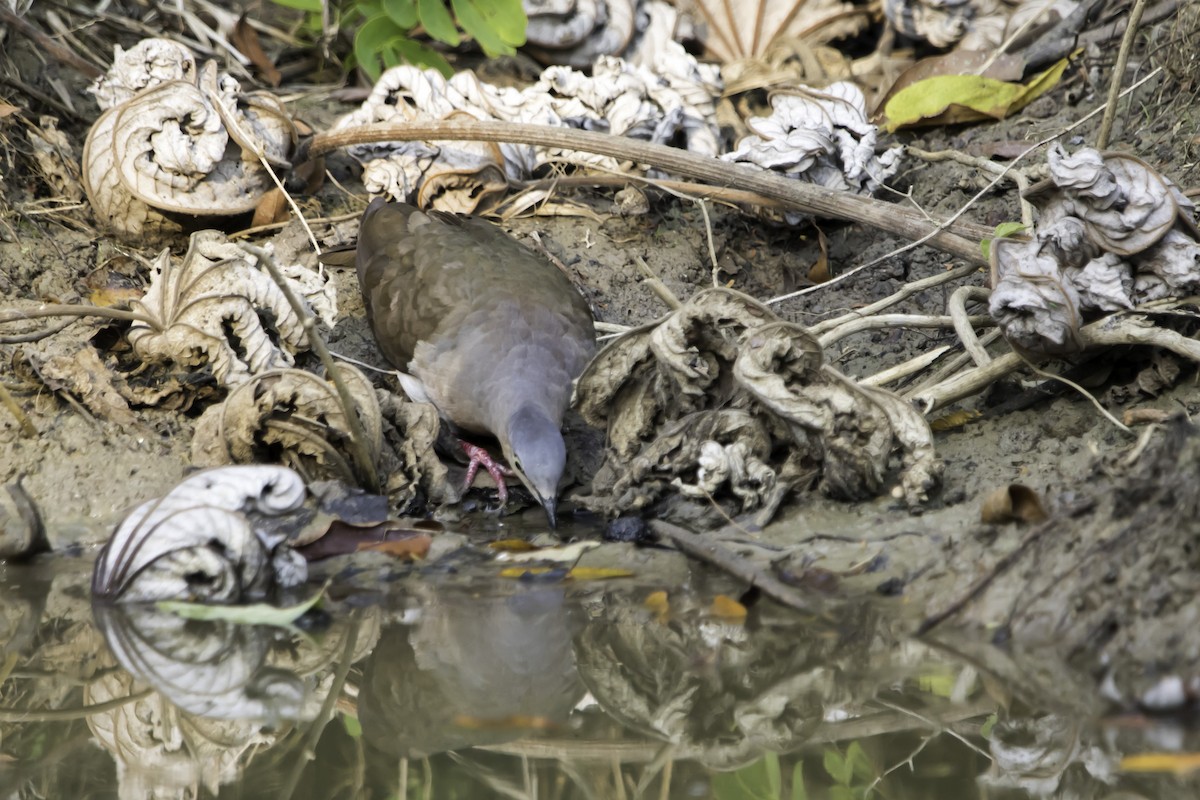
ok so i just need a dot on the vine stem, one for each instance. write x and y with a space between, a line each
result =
806 197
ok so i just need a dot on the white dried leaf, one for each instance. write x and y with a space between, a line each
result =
963 24
202 540
217 670
169 149
1104 283
1171 267
620 98
148 63
1126 205
820 136
1035 306
746 30
592 28
216 289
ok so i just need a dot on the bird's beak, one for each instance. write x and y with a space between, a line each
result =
550 504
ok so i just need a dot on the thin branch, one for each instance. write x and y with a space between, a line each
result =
1118 74
707 549
806 197
358 436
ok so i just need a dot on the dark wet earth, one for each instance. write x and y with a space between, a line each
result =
451 681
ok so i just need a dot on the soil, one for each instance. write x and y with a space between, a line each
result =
1124 607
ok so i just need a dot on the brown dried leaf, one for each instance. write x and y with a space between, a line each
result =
245 39
413 547
1013 503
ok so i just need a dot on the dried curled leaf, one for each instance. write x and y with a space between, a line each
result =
190 146
1013 503
217 307
723 400
822 137
1114 234
967 24
746 30
292 417
208 539
217 670
576 32
672 101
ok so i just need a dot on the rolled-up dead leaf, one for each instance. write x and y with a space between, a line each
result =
1013 503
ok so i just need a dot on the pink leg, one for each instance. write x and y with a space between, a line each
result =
480 458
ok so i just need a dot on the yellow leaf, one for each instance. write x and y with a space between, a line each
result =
513 545
598 573
956 419
1175 763
659 605
578 573
521 572
947 99
726 608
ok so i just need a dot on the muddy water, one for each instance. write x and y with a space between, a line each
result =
448 681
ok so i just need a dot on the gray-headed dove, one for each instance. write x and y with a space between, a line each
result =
488 331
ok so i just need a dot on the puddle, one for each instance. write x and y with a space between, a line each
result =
450 684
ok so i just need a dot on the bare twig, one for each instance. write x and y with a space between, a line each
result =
1118 74
806 197
66 310
709 550
897 321
358 436
964 325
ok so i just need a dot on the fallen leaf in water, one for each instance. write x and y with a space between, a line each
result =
1174 763
512 722
727 609
253 614
513 545
1013 503
599 573
659 604
564 554
414 547
578 573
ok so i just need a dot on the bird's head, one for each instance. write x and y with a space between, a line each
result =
534 448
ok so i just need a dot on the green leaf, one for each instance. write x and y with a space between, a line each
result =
951 99
416 53
437 21
1003 231
860 763
798 790
986 730
497 25
841 793
373 36
312 6
253 614
401 12
757 781
352 725
837 767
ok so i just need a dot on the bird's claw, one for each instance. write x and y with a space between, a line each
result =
481 458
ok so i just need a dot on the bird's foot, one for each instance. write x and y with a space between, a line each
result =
481 458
